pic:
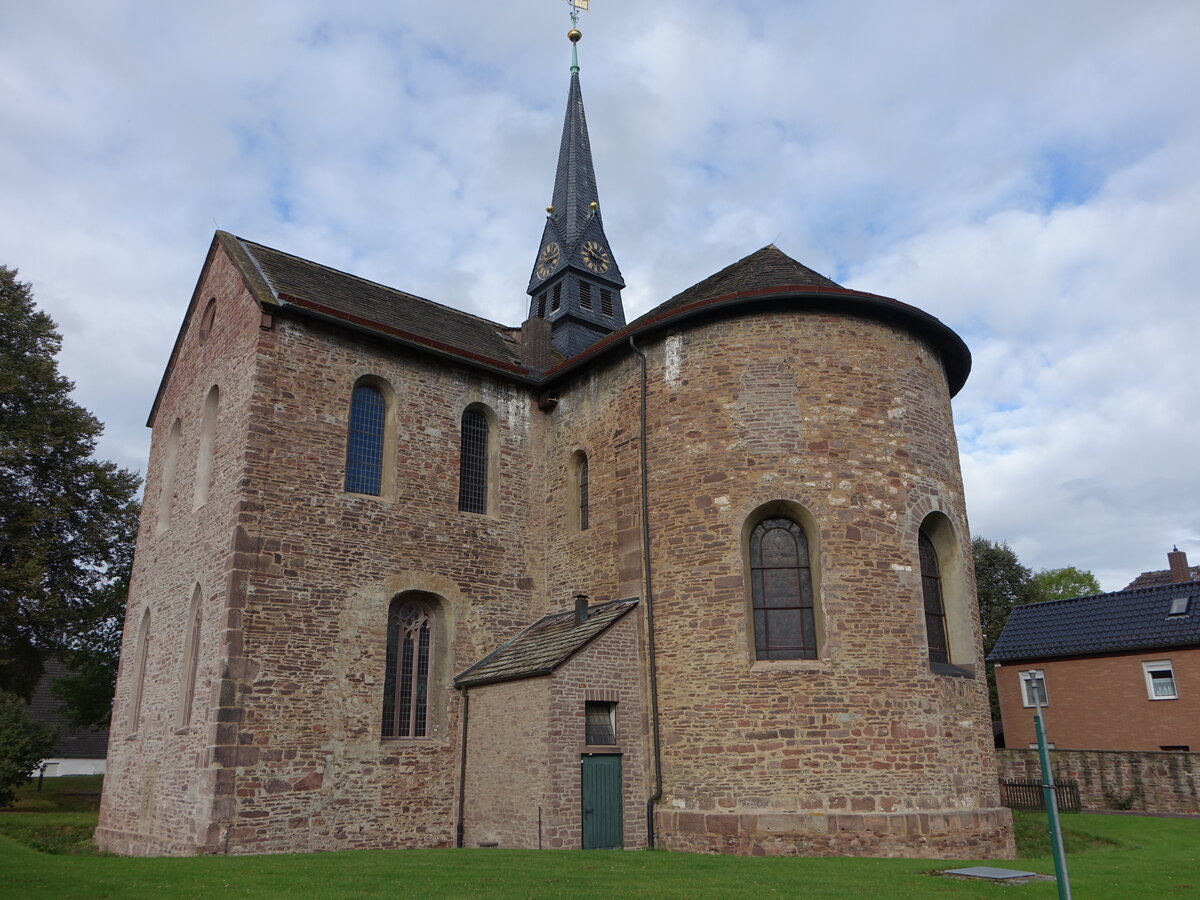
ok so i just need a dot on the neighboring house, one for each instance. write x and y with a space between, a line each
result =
356 619
1117 671
78 751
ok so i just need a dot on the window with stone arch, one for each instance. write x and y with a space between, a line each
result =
204 454
781 590
139 684
409 666
475 462
581 501
191 661
367 437
945 602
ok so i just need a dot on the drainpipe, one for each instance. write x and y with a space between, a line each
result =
462 769
654 729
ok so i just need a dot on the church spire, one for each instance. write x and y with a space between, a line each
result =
575 283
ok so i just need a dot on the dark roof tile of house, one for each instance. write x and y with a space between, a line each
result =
44 707
545 645
1137 619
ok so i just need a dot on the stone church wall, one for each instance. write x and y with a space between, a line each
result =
158 785
846 424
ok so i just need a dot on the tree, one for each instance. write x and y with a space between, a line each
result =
67 520
1065 583
23 744
1002 584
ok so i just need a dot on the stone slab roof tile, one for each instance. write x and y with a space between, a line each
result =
545 645
389 312
1126 620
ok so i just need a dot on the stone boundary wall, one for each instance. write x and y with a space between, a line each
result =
1145 781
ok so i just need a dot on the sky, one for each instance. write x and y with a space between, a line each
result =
1028 172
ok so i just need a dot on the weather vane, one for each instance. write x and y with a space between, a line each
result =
576 6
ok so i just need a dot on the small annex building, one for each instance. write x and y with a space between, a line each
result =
1116 671
407 577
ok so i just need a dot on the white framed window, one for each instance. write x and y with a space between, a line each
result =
1033 688
1160 680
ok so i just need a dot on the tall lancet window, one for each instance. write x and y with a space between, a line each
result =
364 443
410 636
781 588
473 463
935 611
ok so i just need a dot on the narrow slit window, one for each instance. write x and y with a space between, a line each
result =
935 611
473 463
583 493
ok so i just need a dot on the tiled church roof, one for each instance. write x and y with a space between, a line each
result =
1103 623
545 645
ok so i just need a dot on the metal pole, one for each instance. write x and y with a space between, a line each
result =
1056 845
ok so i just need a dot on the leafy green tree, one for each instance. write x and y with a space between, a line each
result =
67 520
1065 583
23 744
1002 584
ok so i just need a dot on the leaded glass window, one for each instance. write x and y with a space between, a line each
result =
406 684
473 463
364 445
781 588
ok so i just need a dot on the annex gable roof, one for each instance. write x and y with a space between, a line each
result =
545 645
1121 621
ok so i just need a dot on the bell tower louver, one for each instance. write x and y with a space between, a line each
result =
576 284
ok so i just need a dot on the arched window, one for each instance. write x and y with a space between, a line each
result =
581 485
409 662
207 319
473 463
935 610
781 590
166 486
191 659
139 686
364 444
204 455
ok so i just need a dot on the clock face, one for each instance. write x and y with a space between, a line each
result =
595 257
547 260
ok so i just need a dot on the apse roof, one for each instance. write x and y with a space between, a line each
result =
1138 619
545 645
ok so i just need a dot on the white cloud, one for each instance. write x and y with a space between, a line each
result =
1025 172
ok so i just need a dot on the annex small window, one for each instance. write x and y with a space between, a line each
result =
1033 688
365 439
473 463
1180 606
406 688
600 723
1160 680
781 589
585 294
935 611
606 304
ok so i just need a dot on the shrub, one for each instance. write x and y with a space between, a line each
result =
23 745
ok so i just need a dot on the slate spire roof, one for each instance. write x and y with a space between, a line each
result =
575 178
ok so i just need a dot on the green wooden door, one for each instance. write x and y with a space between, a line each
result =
601 783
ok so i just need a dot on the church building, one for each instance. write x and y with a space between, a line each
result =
410 578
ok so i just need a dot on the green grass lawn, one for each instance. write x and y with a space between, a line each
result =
1125 857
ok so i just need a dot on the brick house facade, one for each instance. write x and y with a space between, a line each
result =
823 704
1117 671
